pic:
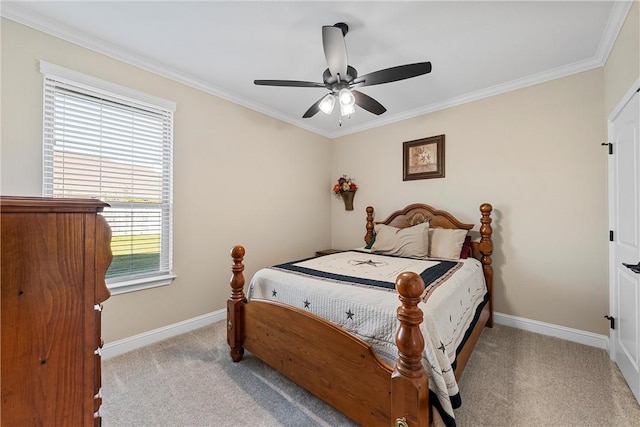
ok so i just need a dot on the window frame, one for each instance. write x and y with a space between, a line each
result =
134 99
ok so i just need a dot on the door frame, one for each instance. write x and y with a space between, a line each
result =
612 294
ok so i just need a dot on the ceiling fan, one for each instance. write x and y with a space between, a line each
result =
341 78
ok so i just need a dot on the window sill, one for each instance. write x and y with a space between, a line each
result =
140 284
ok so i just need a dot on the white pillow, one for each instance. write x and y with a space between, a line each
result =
411 242
446 243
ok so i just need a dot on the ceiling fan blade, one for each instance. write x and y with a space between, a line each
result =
368 103
393 74
313 109
335 50
290 83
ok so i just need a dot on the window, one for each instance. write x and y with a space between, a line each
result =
108 142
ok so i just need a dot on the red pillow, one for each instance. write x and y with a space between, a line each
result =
466 248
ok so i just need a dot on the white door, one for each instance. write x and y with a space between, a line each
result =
624 217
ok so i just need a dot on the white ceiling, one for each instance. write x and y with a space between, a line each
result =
477 48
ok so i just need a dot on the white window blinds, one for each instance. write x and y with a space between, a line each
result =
99 143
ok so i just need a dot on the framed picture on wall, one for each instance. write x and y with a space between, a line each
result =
423 158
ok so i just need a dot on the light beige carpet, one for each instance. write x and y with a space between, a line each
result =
518 378
514 378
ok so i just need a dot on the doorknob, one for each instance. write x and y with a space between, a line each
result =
633 267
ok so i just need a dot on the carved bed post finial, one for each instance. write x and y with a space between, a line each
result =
409 381
409 338
237 277
486 249
235 303
369 235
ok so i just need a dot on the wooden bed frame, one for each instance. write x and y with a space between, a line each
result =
336 366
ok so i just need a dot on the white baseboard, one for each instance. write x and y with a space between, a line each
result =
562 332
146 338
137 341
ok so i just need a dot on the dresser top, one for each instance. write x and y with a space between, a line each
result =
49 204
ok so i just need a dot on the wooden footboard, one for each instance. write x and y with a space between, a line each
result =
336 366
331 363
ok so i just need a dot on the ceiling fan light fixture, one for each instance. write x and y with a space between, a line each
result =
327 104
346 109
346 97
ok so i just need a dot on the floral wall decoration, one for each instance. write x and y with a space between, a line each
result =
345 189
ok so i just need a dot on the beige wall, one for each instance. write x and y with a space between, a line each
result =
240 177
535 155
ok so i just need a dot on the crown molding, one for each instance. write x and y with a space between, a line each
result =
614 25
499 89
12 11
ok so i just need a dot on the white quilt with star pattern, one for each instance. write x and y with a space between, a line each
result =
370 312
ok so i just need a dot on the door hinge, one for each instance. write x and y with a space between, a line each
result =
610 145
612 321
611 235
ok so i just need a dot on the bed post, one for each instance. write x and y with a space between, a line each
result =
409 380
234 305
486 249
369 235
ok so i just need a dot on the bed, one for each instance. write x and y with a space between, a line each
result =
343 367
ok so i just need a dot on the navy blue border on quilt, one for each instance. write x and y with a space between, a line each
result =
456 401
428 276
469 330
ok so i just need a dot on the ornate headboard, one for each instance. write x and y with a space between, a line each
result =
416 213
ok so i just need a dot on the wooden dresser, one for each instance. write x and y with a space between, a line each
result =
54 256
